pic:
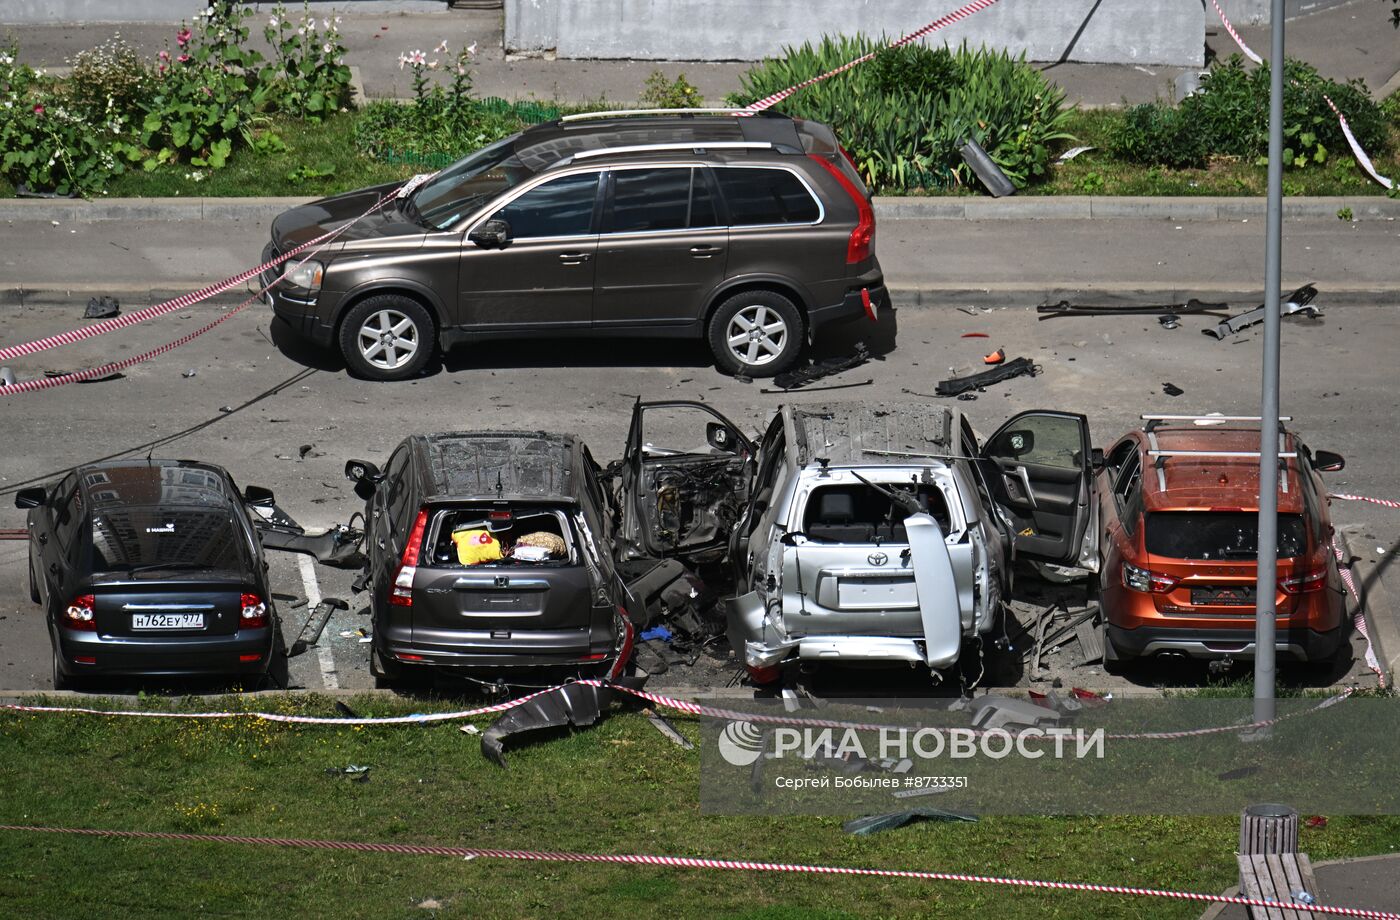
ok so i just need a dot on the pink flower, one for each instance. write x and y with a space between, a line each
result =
164 55
207 91
183 37
183 58
38 110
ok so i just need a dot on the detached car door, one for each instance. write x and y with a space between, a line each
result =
1038 466
684 481
541 278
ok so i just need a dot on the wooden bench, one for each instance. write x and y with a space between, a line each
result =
1275 878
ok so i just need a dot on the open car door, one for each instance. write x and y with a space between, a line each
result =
1038 466
684 481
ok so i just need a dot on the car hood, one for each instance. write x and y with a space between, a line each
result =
308 221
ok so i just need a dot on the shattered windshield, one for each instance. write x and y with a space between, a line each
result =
469 183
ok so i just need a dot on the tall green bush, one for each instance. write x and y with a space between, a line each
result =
903 115
1229 116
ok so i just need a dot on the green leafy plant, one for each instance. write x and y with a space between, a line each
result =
903 115
46 145
1229 116
1344 214
111 75
1091 183
303 173
660 93
306 75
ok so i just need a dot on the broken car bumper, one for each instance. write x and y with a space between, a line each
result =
1297 644
851 307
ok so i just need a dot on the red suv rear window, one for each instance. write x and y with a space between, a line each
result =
1224 535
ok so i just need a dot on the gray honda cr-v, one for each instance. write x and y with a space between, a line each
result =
749 231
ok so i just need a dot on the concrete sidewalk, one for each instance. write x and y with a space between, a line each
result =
1344 42
971 252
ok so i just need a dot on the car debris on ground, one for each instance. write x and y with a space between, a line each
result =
1016 367
1300 301
872 824
102 308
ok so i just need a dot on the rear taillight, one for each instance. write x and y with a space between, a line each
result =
1304 582
1147 582
79 613
254 615
401 593
863 236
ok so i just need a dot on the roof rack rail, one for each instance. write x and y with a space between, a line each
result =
625 113
694 146
1206 418
1283 454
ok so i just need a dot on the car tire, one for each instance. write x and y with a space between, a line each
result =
33 584
61 681
756 334
387 337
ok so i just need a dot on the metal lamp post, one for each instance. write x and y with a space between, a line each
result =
1266 580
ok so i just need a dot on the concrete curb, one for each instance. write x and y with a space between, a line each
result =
1067 207
1244 294
1382 619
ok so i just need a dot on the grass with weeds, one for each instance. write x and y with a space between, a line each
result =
617 787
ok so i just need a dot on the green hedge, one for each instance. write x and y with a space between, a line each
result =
903 115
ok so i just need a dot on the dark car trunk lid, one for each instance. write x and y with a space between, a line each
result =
202 606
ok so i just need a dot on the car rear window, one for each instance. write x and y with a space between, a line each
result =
1220 534
126 538
765 196
862 514
501 535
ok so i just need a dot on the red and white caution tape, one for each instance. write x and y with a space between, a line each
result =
1355 145
179 303
697 862
1359 620
669 702
1383 502
939 23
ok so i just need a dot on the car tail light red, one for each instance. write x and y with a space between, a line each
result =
1304 582
863 236
401 592
249 659
254 615
79 613
1147 582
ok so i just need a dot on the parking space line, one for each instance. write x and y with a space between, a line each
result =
313 599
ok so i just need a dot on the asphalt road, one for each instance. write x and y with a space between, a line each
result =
258 397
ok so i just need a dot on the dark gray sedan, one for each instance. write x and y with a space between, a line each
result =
150 568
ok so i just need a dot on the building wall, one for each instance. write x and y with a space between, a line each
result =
1100 31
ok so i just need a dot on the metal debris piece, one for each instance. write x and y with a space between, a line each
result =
1090 642
1065 308
834 386
989 712
1169 321
666 728
802 376
1300 301
578 705
1016 367
1172 389
102 308
315 625
875 823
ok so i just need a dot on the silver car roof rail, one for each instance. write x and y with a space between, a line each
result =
1155 421
1160 459
693 146
626 113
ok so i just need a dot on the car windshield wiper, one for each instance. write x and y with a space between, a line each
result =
156 566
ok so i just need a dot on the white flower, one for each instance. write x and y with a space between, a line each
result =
325 23
442 47
6 60
326 47
272 23
471 49
336 20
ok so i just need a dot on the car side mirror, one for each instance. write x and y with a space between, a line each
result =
718 436
258 497
1096 458
1328 462
362 471
493 234
31 498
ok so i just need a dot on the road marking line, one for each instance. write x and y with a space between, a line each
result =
313 599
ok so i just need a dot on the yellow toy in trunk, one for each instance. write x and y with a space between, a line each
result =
476 546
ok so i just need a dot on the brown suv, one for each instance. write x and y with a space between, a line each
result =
750 231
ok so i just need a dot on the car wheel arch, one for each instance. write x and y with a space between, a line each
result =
789 289
399 288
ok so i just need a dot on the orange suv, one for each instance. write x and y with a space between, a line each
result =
1178 512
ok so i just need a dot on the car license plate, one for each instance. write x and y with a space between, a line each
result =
167 621
1223 597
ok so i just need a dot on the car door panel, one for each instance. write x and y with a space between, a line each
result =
682 496
542 278
1038 467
